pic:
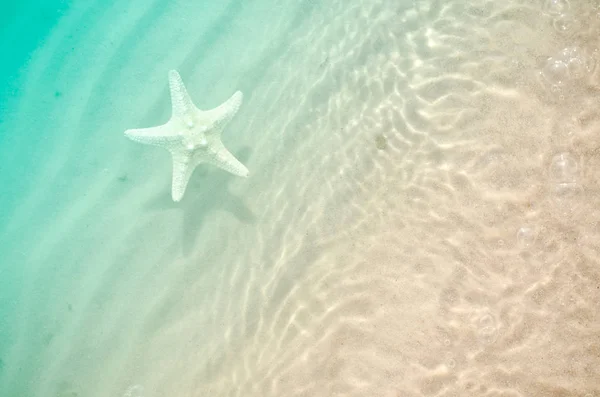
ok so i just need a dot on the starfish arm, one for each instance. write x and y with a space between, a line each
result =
183 167
157 136
181 102
222 114
222 158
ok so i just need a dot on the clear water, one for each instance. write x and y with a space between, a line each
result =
420 217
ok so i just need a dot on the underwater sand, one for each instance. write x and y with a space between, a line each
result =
421 217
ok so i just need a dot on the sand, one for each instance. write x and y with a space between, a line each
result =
421 217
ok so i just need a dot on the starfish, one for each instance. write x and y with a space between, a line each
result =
193 136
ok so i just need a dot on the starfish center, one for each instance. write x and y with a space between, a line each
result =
194 138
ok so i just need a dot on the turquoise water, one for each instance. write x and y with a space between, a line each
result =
419 215
24 27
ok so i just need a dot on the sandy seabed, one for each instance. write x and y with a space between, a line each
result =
422 216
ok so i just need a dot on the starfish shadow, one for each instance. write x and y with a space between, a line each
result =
207 191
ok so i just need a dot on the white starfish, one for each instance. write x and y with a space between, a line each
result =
192 136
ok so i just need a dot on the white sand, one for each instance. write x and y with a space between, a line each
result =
338 268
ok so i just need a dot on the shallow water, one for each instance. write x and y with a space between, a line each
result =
421 216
